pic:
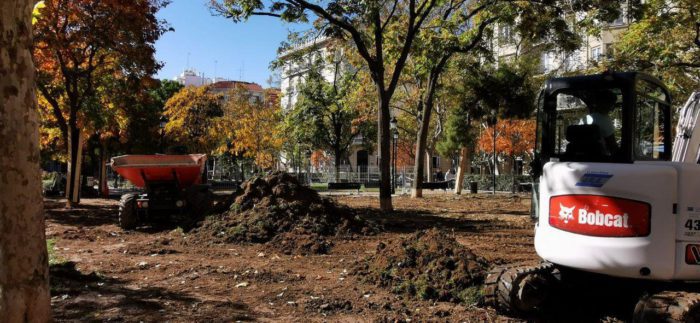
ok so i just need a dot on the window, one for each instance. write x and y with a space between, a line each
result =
596 53
588 123
505 34
650 122
436 161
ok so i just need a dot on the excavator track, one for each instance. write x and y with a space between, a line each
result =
518 289
668 306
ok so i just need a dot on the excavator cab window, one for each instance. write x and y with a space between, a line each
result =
588 124
651 123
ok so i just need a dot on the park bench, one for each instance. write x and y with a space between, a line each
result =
372 185
344 186
525 187
441 185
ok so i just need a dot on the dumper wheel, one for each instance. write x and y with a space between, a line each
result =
200 203
668 306
128 219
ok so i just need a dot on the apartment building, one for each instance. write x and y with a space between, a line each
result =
298 59
593 49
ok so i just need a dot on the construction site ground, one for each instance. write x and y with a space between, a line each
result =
156 273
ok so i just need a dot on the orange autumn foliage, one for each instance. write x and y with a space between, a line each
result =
513 138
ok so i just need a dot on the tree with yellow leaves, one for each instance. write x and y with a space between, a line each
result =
250 128
194 115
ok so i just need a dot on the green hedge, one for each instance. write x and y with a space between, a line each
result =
503 182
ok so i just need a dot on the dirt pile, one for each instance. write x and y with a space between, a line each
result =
278 209
429 265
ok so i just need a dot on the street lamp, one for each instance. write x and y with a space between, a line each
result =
393 125
163 121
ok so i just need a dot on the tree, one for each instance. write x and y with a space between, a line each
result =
77 49
252 128
24 274
324 116
514 138
461 28
384 50
664 41
508 90
192 116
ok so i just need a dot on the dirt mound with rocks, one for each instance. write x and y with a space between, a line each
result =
429 265
292 217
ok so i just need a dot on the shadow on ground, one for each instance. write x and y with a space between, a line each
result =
77 296
403 221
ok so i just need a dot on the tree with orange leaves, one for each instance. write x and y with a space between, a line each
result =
80 46
514 138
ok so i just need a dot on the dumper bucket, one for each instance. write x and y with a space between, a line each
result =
141 169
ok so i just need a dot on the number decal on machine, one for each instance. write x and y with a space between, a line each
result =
692 225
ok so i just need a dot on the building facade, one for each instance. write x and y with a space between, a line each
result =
298 60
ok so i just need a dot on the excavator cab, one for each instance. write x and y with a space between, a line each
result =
610 118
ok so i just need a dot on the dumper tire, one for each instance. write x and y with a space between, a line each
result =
668 306
200 204
128 218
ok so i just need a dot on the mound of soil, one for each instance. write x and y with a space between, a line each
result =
429 264
278 209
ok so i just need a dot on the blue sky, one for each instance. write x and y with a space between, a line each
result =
252 44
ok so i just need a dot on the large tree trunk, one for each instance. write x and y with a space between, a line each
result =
422 140
338 156
24 274
104 188
75 154
384 139
464 164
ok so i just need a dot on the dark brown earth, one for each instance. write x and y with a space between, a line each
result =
278 210
163 274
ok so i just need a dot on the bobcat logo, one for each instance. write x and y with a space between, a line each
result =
566 213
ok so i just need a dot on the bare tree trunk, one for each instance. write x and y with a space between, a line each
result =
421 141
337 165
464 164
24 274
104 188
75 154
384 138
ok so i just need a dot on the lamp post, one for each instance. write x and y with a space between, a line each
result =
308 169
393 124
163 121
494 120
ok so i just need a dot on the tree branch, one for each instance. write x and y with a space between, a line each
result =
356 36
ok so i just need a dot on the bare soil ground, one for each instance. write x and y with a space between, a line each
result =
162 274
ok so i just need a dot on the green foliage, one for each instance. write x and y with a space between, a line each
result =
662 42
324 117
508 89
51 249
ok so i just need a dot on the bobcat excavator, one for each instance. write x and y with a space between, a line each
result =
611 198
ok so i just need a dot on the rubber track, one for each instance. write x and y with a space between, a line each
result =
668 306
499 292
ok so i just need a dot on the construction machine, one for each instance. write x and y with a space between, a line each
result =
612 198
172 189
